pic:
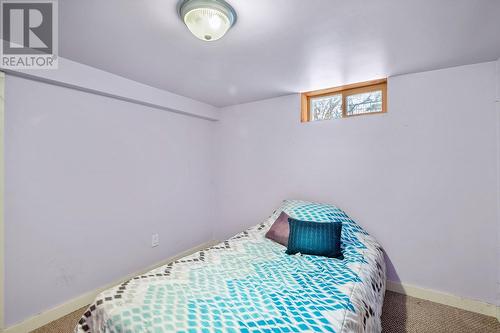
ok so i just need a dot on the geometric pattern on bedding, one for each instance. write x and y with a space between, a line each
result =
248 284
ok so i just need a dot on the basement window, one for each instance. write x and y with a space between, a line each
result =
346 101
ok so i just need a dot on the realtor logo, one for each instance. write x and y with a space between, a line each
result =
29 34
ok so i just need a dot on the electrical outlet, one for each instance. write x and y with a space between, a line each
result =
155 240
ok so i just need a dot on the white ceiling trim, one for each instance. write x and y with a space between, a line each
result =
74 75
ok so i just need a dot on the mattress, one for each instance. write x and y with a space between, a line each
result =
248 284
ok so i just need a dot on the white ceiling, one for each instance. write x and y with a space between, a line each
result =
278 46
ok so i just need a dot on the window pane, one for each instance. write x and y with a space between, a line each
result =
364 103
326 107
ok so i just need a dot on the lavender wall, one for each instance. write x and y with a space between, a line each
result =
421 178
498 187
88 180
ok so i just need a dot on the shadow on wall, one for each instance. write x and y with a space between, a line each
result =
394 311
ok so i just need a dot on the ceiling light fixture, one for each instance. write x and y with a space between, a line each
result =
208 20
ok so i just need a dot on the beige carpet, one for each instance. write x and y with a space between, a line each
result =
408 314
401 314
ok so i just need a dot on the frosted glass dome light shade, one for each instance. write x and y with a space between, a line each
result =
208 20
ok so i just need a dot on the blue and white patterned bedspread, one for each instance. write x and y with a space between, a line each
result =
249 284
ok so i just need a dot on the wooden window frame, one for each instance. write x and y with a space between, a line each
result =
346 90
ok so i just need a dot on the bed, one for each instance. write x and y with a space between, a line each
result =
248 284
